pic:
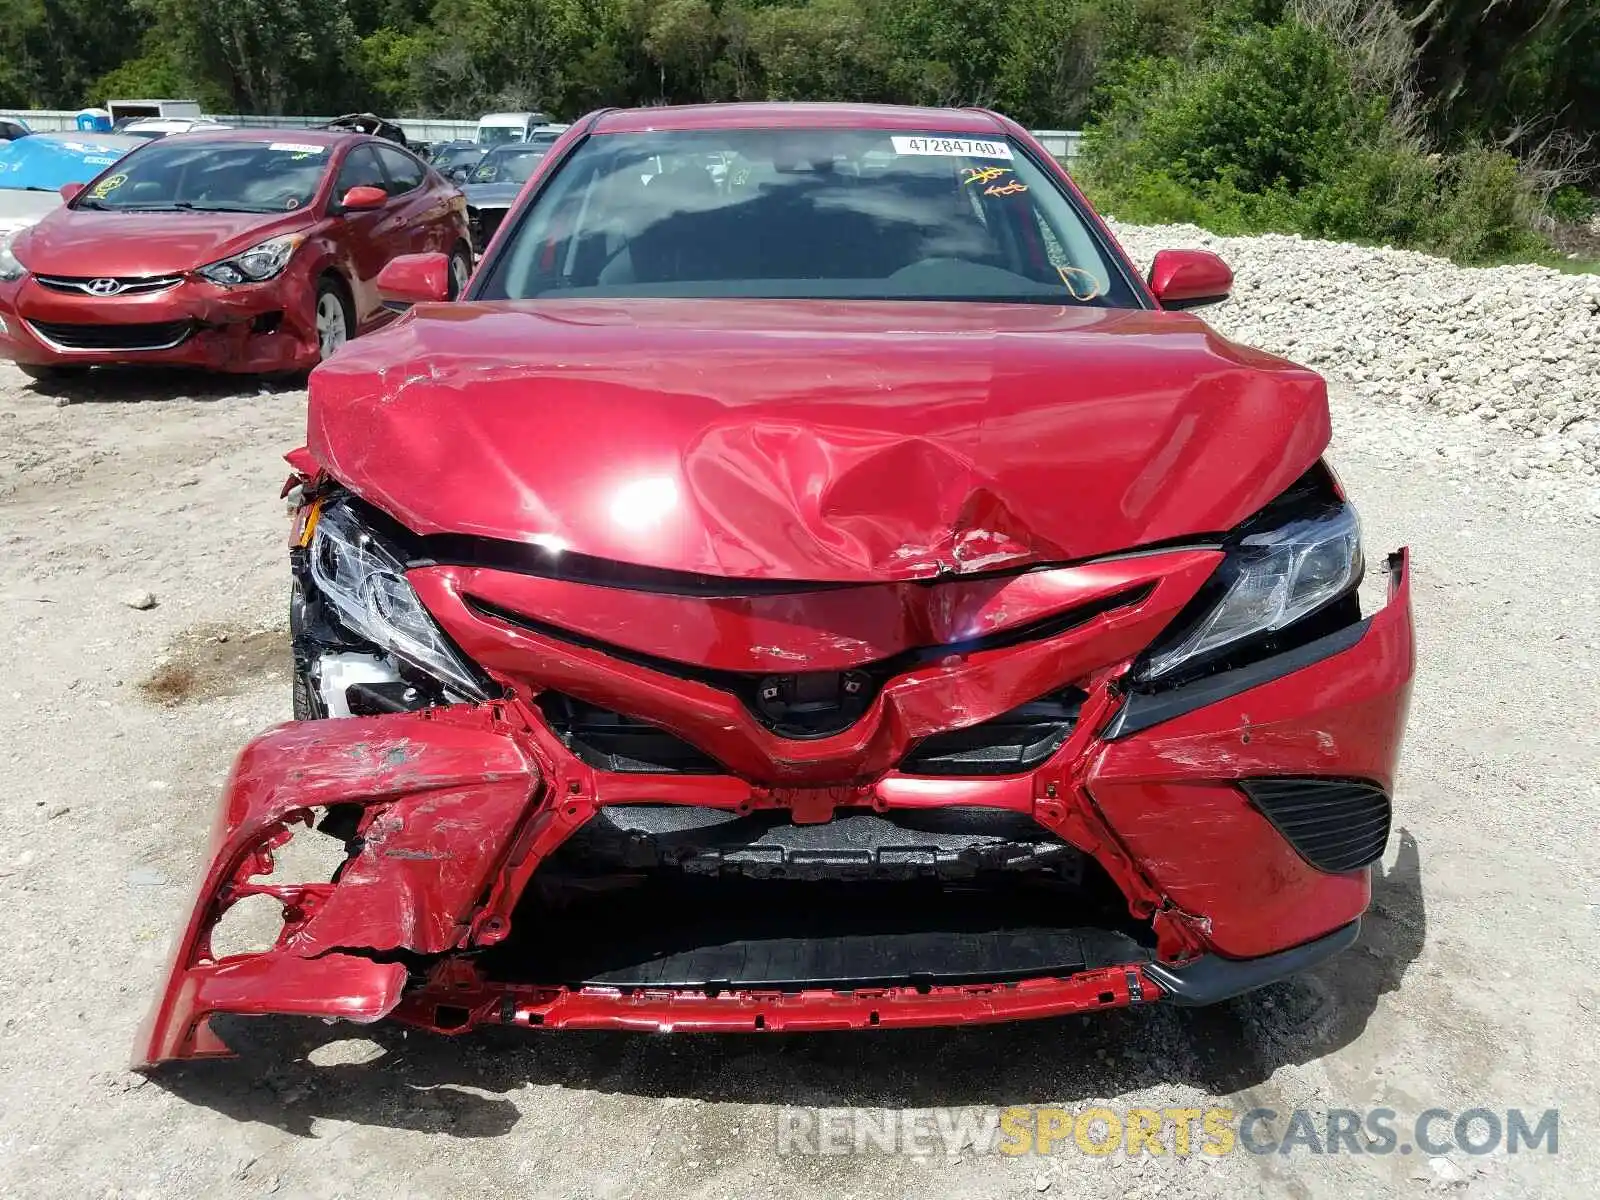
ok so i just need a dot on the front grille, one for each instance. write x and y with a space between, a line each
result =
817 703
613 742
96 285
1013 742
1336 825
163 335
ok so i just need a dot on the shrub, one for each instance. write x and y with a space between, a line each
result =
1272 107
1267 132
1485 212
1571 205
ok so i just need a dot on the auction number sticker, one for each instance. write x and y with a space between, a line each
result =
951 147
296 148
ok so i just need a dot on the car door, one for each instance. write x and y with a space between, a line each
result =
367 234
423 210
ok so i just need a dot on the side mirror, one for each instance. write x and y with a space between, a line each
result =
415 279
364 197
1189 278
459 174
69 190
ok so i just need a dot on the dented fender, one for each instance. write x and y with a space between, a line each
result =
441 795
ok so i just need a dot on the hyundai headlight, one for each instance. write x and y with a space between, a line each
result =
365 582
1272 580
10 268
257 264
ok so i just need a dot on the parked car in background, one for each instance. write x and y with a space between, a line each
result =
123 112
12 128
251 250
494 184
151 128
367 123
455 160
33 169
497 128
815 600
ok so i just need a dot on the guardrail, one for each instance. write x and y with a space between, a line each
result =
1063 143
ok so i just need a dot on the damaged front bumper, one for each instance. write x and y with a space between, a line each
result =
258 328
453 816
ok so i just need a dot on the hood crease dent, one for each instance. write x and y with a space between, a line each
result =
812 440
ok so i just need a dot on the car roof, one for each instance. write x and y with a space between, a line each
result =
799 115
205 121
309 137
70 137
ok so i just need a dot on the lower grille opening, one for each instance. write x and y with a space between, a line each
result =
159 336
981 903
1336 825
614 742
1016 741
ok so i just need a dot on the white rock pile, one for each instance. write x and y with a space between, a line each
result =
1513 349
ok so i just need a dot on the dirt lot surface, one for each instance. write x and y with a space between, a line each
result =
1473 984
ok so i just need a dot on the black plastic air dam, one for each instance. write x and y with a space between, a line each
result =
670 930
1211 978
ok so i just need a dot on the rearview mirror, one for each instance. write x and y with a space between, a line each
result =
363 197
1189 278
69 190
415 279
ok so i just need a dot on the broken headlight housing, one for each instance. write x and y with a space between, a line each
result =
10 268
364 579
1271 579
255 265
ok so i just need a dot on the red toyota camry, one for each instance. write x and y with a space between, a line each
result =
810 581
247 250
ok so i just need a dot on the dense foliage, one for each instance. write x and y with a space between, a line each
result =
1391 119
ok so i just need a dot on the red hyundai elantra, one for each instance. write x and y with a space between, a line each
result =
249 250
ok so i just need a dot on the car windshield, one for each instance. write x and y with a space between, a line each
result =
508 164
806 213
212 176
499 135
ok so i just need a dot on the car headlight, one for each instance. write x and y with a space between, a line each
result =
365 582
1272 579
257 264
10 268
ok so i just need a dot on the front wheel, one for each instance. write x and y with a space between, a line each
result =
460 270
335 323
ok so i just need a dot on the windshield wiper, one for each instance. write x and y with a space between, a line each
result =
190 206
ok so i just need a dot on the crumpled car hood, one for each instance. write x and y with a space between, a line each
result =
811 440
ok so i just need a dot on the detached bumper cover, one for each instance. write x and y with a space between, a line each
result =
458 807
442 791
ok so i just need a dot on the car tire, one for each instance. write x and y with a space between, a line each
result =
51 373
332 316
307 704
460 269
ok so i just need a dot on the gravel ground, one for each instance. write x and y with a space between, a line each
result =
1471 987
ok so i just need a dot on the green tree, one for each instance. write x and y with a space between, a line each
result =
52 51
270 56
